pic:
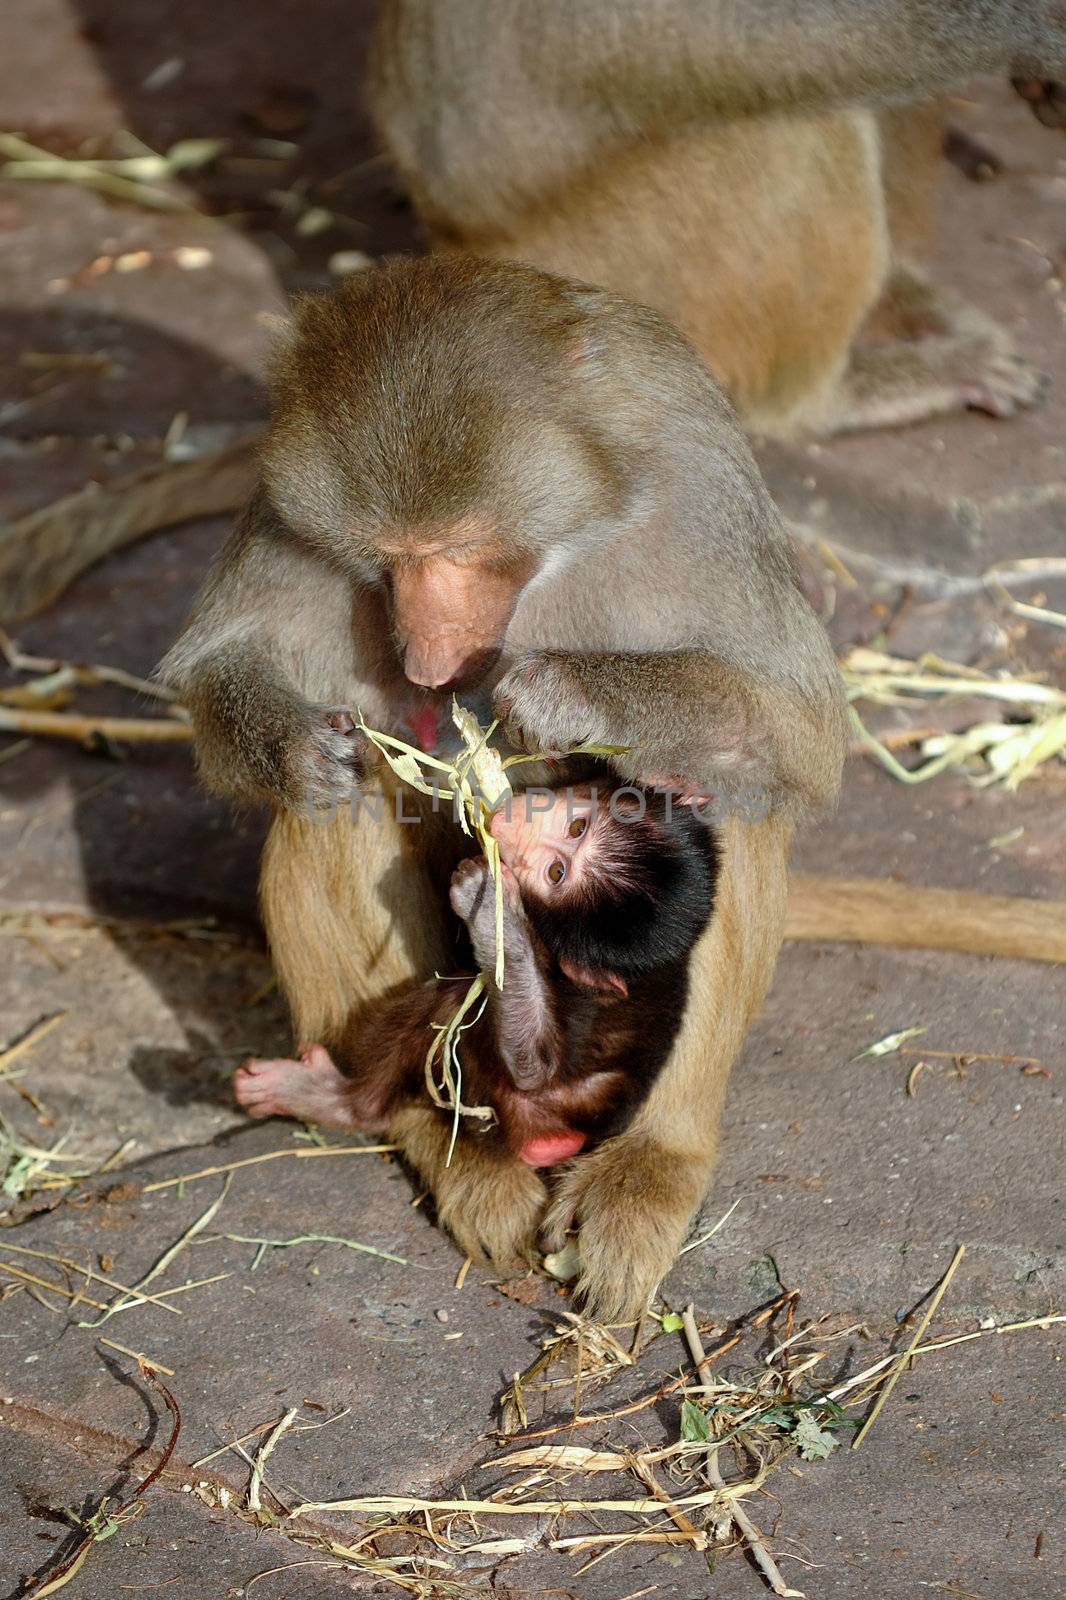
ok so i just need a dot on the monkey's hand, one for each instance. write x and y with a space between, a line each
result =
1046 98
473 899
325 758
544 706
708 723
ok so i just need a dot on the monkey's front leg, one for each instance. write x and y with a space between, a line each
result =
634 1197
684 714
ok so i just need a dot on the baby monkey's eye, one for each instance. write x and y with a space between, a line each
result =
557 872
578 827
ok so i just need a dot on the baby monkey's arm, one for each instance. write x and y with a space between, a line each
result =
523 1014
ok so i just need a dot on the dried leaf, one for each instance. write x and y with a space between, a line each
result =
889 1044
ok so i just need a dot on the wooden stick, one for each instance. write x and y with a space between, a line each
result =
904 1360
69 725
42 553
28 1040
85 673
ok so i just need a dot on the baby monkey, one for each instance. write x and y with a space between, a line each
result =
606 892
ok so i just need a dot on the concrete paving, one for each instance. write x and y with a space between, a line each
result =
127 905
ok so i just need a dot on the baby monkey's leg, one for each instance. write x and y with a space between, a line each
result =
311 1089
523 1015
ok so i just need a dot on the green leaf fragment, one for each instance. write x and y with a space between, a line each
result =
695 1429
814 1442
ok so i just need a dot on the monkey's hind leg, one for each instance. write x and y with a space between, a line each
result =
951 357
633 1198
491 1203
355 912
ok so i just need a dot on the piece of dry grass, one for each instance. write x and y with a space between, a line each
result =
991 752
132 179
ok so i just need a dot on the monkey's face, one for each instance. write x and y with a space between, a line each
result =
452 598
549 843
433 437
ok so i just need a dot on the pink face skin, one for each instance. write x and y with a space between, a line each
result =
546 849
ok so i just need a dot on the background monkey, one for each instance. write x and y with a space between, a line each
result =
737 166
606 892
479 473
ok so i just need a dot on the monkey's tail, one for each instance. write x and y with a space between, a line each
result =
881 911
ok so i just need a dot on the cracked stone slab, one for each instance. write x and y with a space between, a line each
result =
849 1190
177 1544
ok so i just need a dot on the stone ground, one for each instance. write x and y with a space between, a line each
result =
127 907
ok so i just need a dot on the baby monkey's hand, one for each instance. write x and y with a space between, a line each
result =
471 889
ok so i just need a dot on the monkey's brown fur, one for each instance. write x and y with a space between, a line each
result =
731 165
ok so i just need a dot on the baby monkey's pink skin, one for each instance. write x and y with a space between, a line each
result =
311 1089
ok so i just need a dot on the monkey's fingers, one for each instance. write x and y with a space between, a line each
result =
468 887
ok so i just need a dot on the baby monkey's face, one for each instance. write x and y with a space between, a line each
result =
548 840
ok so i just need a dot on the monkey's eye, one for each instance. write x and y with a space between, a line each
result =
557 872
578 827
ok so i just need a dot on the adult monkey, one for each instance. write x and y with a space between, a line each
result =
737 164
481 475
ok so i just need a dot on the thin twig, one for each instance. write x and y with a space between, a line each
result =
904 1361
53 1288
138 1356
91 1274
87 674
757 1545
255 1481
272 1155
627 1410
27 1040
70 725
168 1255
63 1574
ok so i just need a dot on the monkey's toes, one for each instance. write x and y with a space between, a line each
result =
632 1203
255 1085
493 1216
1008 384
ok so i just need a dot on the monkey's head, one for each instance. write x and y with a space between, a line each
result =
615 883
433 434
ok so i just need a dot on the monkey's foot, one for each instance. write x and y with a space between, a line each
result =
632 1202
1003 385
310 1089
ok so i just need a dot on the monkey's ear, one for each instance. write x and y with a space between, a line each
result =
594 977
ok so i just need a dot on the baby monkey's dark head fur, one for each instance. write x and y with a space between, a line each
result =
631 888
